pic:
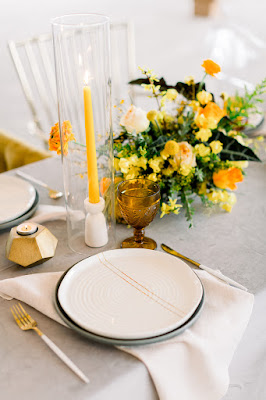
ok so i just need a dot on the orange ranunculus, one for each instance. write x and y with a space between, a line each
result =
211 68
213 110
227 178
67 134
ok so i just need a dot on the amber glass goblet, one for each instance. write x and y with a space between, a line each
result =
138 200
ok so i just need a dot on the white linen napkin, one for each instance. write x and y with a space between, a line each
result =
47 212
192 366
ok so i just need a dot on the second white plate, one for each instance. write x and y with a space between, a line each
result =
130 293
16 197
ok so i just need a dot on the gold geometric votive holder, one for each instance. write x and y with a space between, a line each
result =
30 244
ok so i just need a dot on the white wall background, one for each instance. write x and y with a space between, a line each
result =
168 37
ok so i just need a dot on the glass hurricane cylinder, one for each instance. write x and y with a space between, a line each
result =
82 62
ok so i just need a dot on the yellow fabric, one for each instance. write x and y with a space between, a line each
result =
14 153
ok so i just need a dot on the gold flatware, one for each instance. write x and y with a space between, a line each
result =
53 194
26 322
211 271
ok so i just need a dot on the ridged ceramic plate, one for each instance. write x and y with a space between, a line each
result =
17 197
130 293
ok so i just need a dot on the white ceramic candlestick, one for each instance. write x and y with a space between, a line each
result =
95 224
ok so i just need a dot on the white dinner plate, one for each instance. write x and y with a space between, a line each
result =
130 293
16 197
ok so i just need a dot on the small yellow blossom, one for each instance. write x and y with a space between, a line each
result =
116 164
214 196
152 177
132 173
171 94
227 207
168 171
172 207
124 165
204 97
155 164
202 150
142 162
171 147
240 164
195 105
164 154
202 188
216 146
189 80
133 159
180 120
152 115
185 169
122 101
224 96
203 134
205 122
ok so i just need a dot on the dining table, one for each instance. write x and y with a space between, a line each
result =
234 243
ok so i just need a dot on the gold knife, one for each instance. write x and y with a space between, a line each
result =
211 271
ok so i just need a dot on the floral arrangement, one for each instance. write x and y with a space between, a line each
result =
190 145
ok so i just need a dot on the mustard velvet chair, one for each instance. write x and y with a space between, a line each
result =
15 153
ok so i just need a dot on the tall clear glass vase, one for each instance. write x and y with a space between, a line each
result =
82 61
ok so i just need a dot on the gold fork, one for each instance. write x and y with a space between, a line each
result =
26 322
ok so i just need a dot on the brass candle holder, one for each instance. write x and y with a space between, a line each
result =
138 200
30 244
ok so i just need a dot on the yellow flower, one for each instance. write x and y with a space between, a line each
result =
227 207
185 155
172 207
204 97
211 68
202 188
203 134
195 105
152 177
224 96
165 209
142 162
202 150
155 164
239 164
164 154
171 147
168 171
214 196
205 122
180 120
189 80
216 146
184 169
116 164
171 94
133 159
124 165
132 173
152 115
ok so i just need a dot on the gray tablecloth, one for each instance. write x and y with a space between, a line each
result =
234 243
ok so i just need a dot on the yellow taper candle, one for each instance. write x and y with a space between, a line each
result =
93 183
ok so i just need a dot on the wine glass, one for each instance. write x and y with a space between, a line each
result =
138 200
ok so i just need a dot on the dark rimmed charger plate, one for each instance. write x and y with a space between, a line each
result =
23 217
123 342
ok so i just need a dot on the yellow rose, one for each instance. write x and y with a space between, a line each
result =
216 146
202 150
204 97
203 134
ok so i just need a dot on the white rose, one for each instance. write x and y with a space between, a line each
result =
135 120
